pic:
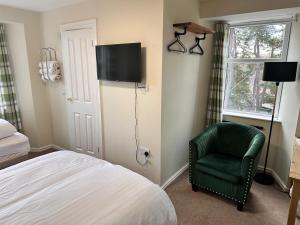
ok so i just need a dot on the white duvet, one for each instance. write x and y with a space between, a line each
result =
67 188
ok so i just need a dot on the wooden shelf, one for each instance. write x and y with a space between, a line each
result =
194 28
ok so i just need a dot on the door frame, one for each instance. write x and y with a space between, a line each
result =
81 25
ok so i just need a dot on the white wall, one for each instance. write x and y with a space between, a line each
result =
32 94
117 22
217 8
174 109
184 89
298 127
289 109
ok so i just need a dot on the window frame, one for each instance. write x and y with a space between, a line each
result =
285 48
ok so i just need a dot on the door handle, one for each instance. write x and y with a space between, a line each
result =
70 99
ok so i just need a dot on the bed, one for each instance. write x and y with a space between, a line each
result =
14 146
69 188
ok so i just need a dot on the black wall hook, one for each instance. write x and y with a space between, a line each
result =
178 41
197 45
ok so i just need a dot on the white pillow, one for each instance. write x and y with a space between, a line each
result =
6 129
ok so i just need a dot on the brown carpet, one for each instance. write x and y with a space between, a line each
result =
266 206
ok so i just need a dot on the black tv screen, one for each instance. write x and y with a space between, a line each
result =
120 62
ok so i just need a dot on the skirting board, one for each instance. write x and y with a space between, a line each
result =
175 176
279 181
44 148
185 167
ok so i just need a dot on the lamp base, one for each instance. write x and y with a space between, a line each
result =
263 178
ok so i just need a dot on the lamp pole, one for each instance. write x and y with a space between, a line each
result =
264 178
275 72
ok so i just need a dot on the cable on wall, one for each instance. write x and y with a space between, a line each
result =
136 136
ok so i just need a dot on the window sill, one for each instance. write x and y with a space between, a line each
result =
251 116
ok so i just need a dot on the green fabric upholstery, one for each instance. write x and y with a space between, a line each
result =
223 159
222 166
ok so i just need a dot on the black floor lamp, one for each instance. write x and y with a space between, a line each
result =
275 72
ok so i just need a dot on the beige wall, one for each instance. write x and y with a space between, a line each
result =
32 94
217 8
185 88
289 109
298 126
117 22
174 109
20 68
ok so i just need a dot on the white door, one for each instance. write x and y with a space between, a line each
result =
82 88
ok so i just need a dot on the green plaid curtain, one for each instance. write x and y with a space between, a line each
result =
8 103
216 89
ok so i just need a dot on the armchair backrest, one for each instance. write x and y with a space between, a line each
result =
234 139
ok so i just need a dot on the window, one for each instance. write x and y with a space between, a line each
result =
249 47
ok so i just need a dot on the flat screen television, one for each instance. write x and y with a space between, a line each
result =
119 62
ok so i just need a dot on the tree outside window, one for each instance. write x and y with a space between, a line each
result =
249 47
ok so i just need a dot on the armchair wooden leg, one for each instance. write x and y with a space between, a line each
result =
240 206
194 187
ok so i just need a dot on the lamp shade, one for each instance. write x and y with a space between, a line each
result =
280 71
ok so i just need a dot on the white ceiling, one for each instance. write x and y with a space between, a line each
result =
39 5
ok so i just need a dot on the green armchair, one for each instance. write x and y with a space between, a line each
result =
223 160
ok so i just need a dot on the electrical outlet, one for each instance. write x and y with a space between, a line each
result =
144 88
144 151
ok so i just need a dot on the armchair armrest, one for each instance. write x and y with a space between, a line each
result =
251 157
200 145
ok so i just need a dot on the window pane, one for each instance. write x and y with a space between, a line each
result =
246 92
257 41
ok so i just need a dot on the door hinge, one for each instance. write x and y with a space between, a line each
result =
98 149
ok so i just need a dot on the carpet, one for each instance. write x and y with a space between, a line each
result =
266 205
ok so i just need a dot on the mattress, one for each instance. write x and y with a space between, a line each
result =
75 189
17 144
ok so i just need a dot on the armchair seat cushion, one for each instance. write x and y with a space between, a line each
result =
222 166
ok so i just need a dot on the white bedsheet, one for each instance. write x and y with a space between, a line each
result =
67 188
17 143
6 129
